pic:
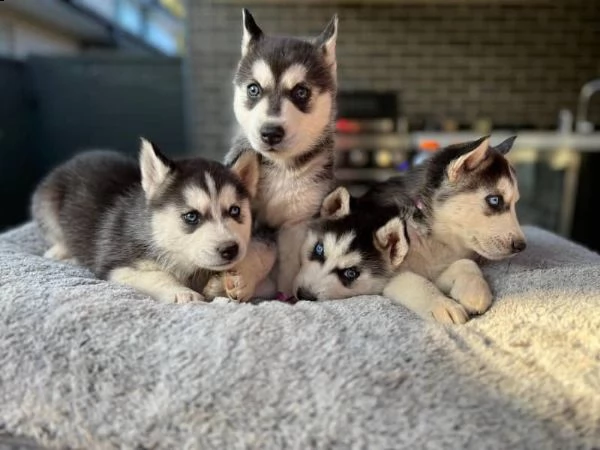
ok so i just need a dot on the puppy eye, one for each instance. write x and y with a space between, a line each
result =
254 90
234 211
348 276
300 93
494 201
191 217
318 252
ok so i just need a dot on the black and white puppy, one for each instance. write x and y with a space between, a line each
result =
284 102
164 227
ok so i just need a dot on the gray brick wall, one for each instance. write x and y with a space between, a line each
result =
513 63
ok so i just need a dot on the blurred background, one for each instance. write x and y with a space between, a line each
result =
414 75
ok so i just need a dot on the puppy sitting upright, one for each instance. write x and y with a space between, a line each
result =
464 200
163 227
348 251
284 103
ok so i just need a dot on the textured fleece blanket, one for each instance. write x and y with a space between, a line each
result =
89 364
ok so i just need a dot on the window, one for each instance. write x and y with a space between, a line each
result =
130 16
6 39
105 8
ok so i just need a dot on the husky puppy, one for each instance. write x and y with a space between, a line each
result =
464 200
162 227
284 103
350 251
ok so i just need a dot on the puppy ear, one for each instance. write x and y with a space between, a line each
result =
326 41
247 169
392 242
252 31
336 205
155 168
469 161
504 147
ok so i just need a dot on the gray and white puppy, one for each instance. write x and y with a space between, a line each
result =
284 102
464 202
163 227
351 249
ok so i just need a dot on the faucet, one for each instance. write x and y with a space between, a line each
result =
582 124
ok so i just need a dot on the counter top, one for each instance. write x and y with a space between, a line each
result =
537 140
533 140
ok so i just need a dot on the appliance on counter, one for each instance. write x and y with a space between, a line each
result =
369 143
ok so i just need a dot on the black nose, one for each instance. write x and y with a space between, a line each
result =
272 134
305 294
229 250
518 245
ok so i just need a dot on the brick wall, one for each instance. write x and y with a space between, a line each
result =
515 64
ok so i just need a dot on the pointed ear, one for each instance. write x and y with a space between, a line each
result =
391 241
252 32
469 161
326 41
504 147
155 168
336 204
247 169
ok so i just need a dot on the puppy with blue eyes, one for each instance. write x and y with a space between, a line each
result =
167 228
350 251
284 103
463 202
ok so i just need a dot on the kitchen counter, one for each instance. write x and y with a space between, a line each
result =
536 140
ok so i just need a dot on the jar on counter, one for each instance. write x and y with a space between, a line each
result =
358 158
384 158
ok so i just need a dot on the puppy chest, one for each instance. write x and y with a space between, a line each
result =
429 260
283 199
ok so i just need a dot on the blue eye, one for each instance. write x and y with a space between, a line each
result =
318 252
191 217
254 90
495 201
350 274
234 211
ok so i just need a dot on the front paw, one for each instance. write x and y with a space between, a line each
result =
447 311
214 288
473 292
58 252
239 287
181 296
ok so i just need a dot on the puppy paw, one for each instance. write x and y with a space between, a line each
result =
182 296
473 292
58 252
447 311
239 287
214 288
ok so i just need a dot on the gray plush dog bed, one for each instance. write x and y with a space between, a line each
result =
88 364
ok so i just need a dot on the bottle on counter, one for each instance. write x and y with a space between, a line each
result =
426 149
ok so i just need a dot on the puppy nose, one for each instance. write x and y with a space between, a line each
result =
229 250
518 245
305 294
272 134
